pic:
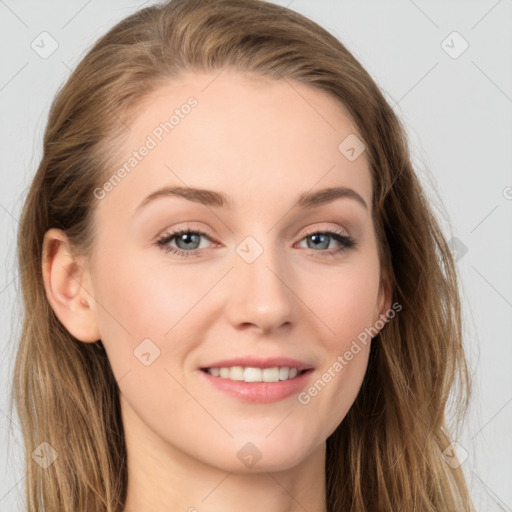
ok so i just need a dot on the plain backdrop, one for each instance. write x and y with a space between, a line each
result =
453 92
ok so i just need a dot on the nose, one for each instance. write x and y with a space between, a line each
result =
261 292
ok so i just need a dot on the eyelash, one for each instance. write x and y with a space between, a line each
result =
346 241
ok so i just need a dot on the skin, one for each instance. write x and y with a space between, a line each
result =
263 143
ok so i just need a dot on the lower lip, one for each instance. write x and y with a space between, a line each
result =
259 392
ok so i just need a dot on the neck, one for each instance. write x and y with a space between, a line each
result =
162 478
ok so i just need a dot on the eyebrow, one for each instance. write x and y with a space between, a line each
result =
218 199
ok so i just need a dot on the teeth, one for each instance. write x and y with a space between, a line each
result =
271 375
236 373
250 374
253 374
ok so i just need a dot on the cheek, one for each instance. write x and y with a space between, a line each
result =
143 300
345 302
144 297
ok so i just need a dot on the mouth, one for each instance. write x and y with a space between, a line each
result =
258 379
253 374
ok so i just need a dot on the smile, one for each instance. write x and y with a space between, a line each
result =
251 374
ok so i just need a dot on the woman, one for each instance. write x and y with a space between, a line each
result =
236 294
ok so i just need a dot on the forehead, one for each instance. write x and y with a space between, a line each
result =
254 138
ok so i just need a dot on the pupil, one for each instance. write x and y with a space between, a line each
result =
316 237
185 236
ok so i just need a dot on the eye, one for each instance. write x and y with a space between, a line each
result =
320 239
185 239
188 242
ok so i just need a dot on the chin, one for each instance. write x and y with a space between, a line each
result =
255 454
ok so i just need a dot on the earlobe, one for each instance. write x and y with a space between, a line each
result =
384 302
67 287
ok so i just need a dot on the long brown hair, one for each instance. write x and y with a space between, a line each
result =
386 455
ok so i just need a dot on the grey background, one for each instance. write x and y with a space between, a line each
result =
458 115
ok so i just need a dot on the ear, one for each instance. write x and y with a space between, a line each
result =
68 287
384 301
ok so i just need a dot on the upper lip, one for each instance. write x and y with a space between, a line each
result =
260 362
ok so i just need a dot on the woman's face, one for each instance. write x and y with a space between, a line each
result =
260 279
